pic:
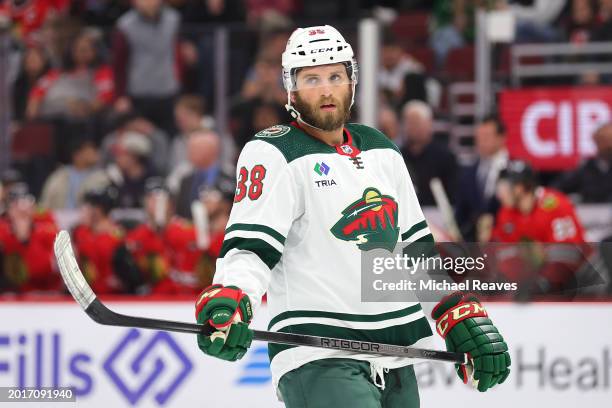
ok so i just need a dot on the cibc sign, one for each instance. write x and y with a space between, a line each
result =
552 127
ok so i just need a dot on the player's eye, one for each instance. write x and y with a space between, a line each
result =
335 78
312 81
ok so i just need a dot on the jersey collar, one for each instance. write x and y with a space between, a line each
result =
346 148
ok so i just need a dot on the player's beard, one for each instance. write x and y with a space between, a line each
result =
312 114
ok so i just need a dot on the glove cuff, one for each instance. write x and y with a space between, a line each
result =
458 313
226 295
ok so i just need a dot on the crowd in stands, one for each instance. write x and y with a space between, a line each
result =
112 109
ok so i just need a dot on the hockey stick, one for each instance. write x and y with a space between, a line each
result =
443 204
82 293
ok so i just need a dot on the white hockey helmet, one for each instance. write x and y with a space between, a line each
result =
313 46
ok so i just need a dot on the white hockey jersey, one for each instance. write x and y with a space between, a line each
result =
302 214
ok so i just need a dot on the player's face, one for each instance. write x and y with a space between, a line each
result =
323 96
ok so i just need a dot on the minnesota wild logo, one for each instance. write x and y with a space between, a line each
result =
370 221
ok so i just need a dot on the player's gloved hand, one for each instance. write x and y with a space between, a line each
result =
228 310
465 326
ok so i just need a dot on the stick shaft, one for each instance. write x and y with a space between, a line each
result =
103 315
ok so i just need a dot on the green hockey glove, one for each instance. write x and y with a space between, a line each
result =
228 310
465 326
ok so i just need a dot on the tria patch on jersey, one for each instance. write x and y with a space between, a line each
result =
371 222
274 131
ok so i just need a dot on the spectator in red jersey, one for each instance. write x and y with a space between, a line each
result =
98 240
545 224
82 88
26 245
165 246
28 16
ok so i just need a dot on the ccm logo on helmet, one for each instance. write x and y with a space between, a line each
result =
321 50
317 31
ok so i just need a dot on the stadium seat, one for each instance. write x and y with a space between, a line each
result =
31 140
412 28
425 56
460 64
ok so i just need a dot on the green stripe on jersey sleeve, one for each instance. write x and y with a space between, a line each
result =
259 228
414 229
266 252
345 316
402 335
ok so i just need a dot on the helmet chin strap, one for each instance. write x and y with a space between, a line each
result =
297 116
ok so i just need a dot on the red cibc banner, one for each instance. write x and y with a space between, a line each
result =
551 127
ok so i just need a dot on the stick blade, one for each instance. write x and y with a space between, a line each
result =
72 275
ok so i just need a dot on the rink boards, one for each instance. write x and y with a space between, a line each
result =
562 357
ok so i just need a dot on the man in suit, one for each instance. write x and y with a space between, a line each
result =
203 150
475 201
425 157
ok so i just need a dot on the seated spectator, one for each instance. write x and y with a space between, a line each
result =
82 88
100 248
133 122
29 16
424 157
66 186
26 246
475 196
164 246
257 115
130 169
259 9
203 150
453 27
35 64
265 82
581 22
388 123
189 115
592 181
8 178
395 65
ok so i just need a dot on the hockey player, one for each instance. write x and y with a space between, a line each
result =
310 197
535 215
26 245
99 242
164 246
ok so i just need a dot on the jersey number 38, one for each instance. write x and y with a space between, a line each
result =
254 178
